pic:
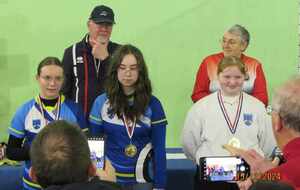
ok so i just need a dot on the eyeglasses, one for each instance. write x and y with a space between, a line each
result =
50 79
230 42
270 109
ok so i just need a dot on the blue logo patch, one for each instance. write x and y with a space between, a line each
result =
248 119
36 123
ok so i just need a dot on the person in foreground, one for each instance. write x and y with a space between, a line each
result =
36 113
286 129
134 122
270 185
60 159
234 42
228 116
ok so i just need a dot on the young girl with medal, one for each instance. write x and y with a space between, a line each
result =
133 121
228 116
32 116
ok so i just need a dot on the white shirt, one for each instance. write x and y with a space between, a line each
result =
206 130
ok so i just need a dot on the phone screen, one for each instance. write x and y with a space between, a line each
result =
96 146
224 169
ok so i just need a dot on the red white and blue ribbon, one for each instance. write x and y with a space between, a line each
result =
130 126
232 126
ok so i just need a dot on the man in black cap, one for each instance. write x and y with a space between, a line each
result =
86 62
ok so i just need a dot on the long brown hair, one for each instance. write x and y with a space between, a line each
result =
119 102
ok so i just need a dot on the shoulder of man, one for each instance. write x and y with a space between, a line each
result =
80 44
113 46
94 184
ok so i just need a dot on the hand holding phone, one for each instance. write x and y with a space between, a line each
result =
226 168
96 145
109 173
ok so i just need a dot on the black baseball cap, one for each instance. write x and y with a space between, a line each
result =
102 14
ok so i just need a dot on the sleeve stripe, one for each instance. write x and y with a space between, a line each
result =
159 121
125 174
16 131
85 129
97 120
31 183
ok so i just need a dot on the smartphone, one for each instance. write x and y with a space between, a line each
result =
96 145
223 168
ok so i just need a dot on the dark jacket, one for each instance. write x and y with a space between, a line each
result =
94 184
82 82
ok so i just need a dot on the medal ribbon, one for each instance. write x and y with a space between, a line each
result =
129 129
44 112
231 126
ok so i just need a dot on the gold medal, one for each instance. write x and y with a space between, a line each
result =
130 150
234 142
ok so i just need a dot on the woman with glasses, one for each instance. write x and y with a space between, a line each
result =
133 121
227 116
235 41
32 116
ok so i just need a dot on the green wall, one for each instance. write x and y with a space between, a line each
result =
173 35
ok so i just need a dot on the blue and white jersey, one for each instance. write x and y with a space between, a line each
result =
149 135
29 120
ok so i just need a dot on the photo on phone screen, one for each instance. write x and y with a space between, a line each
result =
96 146
226 168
